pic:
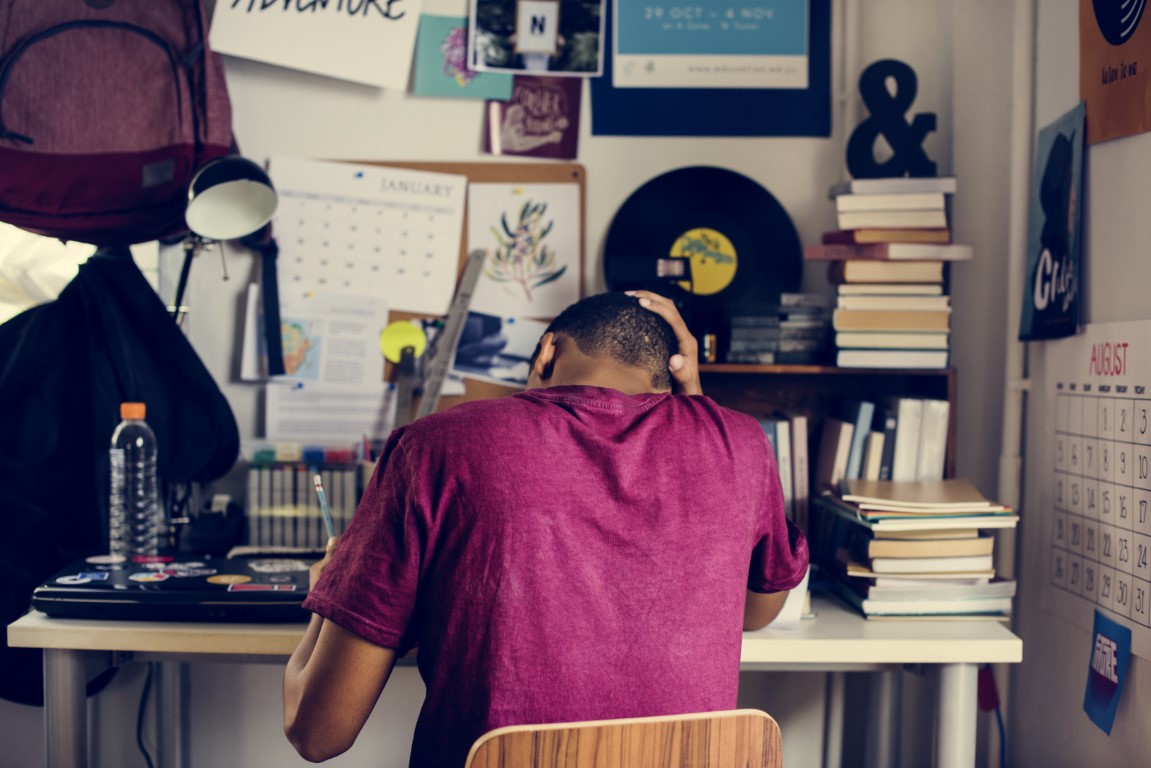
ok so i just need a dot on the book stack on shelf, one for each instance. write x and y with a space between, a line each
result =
887 261
796 331
913 549
892 438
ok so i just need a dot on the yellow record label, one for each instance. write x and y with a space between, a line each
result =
712 260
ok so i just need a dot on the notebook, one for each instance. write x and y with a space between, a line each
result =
185 587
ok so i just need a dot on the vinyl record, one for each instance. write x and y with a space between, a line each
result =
713 240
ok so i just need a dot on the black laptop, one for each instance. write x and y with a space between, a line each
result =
184 587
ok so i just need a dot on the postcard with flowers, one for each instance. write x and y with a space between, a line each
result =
531 235
441 67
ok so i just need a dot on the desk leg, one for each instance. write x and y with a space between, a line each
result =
171 715
884 716
955 713
65 709
833 720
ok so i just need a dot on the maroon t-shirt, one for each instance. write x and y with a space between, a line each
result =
570 553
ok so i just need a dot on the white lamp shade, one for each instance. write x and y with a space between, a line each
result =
228 198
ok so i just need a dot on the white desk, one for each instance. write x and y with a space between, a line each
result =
837 640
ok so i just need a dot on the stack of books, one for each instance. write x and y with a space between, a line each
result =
888 261
796 330
913 549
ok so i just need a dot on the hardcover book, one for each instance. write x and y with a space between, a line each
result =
926 359
888 235
863 271
891 320
889 252
899 201
895 185
925 219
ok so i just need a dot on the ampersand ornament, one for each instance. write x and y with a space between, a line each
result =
886 117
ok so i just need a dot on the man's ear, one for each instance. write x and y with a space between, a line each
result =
545 360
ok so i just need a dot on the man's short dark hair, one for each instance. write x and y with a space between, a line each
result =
615 325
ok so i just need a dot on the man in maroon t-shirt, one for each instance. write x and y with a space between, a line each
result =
591 548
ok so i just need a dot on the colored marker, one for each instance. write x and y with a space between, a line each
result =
324 506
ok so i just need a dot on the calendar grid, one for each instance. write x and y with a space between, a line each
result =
1101 536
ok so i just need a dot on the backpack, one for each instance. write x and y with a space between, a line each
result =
107 109
65 367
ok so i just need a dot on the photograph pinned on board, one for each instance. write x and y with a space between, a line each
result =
497 349
556 37
441 65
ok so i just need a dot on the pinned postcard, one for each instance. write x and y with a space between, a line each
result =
531 235
540 120
441 65
1110 656
367 42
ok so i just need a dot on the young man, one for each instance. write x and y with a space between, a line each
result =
591 548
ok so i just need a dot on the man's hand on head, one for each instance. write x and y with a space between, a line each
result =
684 365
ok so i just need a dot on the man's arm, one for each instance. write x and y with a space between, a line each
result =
760 609
331 684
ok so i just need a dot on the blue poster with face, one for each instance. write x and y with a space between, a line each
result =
1110 655
1051 288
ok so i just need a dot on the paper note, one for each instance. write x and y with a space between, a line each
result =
318 413
365 41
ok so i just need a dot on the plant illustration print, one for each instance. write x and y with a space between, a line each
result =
521 258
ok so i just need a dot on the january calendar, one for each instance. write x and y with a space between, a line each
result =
1099 499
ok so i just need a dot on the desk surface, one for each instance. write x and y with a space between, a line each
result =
836 635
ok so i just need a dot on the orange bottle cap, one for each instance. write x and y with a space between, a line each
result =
132 410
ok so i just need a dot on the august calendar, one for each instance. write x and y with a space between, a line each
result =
1099 527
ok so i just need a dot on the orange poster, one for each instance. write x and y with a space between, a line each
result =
1114 68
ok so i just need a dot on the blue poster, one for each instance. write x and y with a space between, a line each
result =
732 44
1110 655
1051 288
732 68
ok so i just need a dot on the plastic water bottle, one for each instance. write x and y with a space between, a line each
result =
134 510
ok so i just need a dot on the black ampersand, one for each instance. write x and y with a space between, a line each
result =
886 117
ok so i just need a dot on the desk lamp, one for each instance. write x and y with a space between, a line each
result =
228 198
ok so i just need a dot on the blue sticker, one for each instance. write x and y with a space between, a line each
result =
1110 654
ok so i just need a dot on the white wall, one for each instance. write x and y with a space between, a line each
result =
960 51
1048 725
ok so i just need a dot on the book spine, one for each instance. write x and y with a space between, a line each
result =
933 440
909 417
887 422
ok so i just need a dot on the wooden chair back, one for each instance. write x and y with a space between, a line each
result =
741 738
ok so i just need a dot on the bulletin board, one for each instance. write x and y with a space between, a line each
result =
500 173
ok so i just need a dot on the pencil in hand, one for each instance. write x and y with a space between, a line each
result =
328 524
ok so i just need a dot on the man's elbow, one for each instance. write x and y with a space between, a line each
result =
315 744
761 609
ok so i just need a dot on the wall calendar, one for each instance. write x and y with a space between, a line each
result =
1099 463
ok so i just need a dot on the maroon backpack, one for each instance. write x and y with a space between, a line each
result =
107 109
